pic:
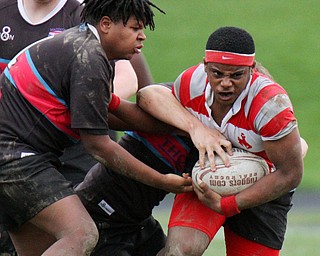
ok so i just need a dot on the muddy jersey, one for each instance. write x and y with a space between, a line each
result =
262 112
55 87
17 31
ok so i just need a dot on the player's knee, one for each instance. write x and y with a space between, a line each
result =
89 237
184 249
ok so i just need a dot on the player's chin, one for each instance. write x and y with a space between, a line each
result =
126 57
130 56
136 51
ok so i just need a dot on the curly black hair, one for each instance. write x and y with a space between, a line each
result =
119 10
231 39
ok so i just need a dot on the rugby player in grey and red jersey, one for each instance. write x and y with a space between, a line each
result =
54 93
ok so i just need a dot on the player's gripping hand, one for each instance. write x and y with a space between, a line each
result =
208 142
208 197
176 184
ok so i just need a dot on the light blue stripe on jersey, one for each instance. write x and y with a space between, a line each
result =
8 75
41 80
5 61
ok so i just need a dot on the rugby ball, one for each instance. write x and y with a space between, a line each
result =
245 169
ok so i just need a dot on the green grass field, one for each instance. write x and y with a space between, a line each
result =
287 39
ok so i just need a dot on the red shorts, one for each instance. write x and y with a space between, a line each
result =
188 211
204 219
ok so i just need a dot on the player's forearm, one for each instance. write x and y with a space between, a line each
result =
286 154
113 156
161 103
134 118
267 189
119 160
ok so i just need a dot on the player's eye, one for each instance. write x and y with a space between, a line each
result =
237 75
217 74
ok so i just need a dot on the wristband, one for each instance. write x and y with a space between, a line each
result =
229 206
114 103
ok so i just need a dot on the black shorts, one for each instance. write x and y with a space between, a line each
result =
6 245
27 186
265 224
141 239
75 163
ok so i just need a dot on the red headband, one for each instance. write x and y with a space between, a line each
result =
229 58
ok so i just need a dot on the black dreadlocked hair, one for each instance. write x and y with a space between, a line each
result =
119 10
231 39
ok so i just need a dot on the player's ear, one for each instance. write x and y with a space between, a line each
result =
205 64
204 61
105 24
252 67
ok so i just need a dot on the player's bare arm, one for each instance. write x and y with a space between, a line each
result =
286 155
161 103
118 159
125 117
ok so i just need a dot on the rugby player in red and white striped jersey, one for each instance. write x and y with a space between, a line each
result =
228 94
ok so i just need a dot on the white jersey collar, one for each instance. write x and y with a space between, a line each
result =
94 31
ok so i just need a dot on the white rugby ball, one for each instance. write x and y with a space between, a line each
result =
245 169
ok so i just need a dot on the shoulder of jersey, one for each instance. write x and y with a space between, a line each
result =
73 7
7 4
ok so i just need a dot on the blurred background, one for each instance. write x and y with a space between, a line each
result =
287 36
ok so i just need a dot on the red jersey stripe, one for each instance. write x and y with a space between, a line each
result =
38 94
